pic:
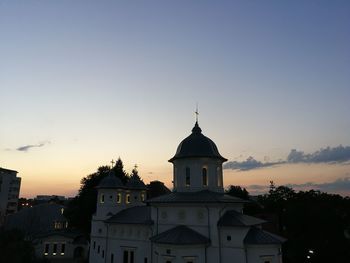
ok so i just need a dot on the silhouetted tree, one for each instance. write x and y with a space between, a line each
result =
310 220
237 191
15 249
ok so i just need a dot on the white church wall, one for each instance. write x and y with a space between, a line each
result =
264 254
178 254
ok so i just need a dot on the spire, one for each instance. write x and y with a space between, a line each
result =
197 113
196 129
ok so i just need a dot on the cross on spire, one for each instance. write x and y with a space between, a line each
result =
196 112
112 162
135 167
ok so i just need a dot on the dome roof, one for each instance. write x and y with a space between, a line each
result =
197 145
135 183
110 182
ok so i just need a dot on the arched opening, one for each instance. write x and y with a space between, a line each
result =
188 177
78 252
204 177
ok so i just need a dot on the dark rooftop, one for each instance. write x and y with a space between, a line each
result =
234 218
204 196
256 236
110 182
133 215
197 145
180 235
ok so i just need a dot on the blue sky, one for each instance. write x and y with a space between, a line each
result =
94 80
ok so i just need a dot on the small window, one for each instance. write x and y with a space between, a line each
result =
228 238
112 258
54 251
204 177
127 199
168 251
188 176
142 197
119 198
46 251
103 253
94 244
98 249
145 260
63 248
102 198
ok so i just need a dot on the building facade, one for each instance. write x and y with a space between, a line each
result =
196 222
10 186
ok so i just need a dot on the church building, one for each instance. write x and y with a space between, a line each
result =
196 222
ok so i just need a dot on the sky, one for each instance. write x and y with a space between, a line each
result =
85 82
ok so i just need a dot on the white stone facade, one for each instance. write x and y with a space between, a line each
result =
197 222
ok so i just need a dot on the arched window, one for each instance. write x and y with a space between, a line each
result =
127 199
218 176
102 198
188 176
119 198
204 177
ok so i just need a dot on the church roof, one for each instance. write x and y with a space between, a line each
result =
197 145
204 196
234 218
180 235
140 215
135 183
110 182
257 236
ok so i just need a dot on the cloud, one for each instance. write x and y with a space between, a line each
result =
26 148
339 154
249 164
339 186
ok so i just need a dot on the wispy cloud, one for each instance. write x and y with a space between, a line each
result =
26 148
339 186
339 154
249 164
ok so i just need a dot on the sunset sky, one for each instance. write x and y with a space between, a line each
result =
84 82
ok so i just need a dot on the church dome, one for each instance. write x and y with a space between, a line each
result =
197 145
110 182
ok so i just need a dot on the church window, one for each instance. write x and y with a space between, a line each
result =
142 197
188 176
228 238
54 251
112 258
102 198
46 251
94 244
98 249
145 260
128 256
127 199
168 251
103 253
63 248
119 198
204 177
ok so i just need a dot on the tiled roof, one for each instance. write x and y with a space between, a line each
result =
110 182
204 196
256 236
132 215
234 218
180 235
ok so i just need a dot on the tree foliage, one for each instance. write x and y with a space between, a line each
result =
310 220
15 249
237 191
